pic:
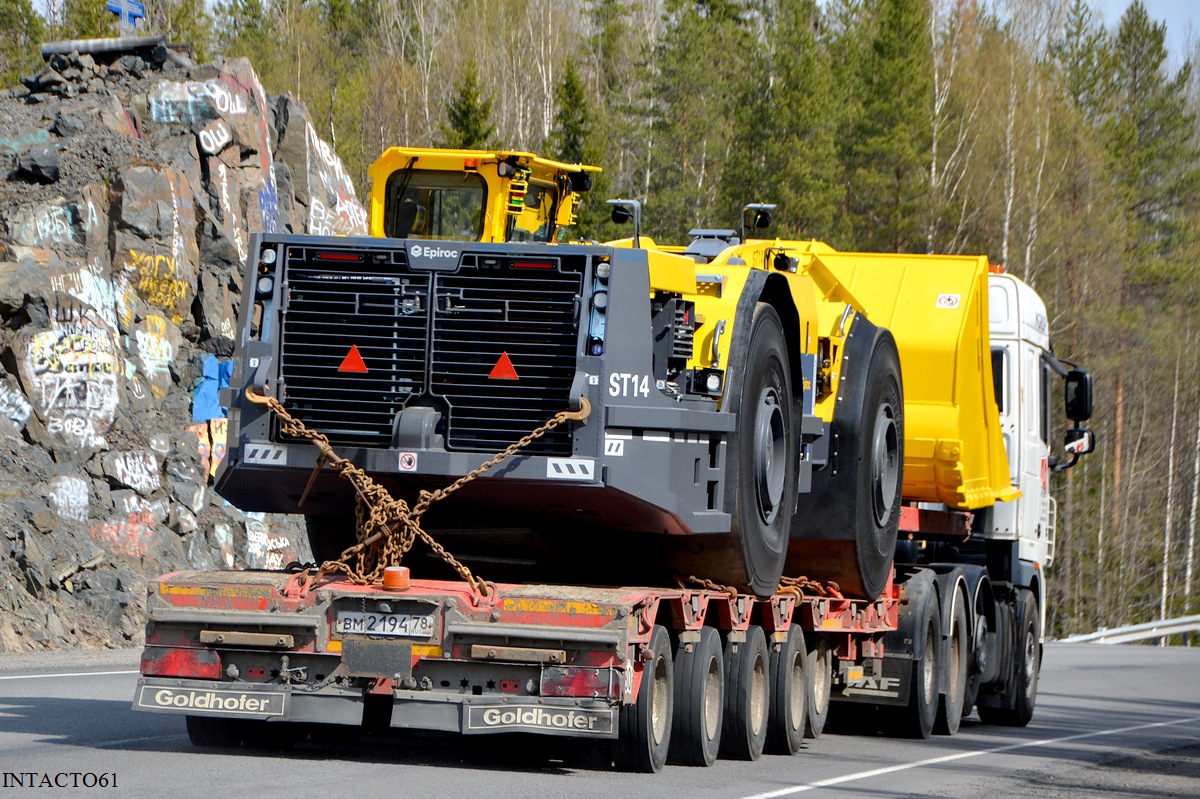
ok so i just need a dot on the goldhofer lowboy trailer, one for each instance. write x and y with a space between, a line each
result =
693 672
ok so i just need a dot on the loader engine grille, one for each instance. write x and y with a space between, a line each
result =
452 340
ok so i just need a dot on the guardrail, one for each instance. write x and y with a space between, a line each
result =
1138 632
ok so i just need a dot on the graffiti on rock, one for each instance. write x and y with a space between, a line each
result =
73 375
158 282
69 497
46 226
14 405
112 300
11 145
340 214
128 537
157 353
228 207
214 137
263 550
138 470
194 101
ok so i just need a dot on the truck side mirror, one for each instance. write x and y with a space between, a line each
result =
1078 396
1079 441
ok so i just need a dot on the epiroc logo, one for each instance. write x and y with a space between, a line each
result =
432 256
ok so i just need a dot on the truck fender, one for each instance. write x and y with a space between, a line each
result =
917 587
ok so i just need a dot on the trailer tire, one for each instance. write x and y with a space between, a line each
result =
818 680
747 697
954 663
208 732
916 720
1017 710
761 472
789 694
645 726
699 701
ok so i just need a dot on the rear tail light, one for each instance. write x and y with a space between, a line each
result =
580 682
199 664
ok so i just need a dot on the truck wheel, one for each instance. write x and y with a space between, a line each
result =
819 682
205 731
747 697
699 701
645 726
916 720
762 470
328 536
955 656
789 695
1017 710
845 529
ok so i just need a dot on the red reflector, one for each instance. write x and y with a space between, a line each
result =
340 256
200 664
532 265
503 370
353 361
579 681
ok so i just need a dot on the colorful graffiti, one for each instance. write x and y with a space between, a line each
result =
128 537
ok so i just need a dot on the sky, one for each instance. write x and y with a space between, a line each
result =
1178 14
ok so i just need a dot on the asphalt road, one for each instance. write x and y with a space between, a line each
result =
1110 721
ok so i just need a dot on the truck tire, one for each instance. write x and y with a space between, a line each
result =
819 681
699 701
1016 709
206 732
916 720
645 726
955 658
789 694
747 697
845 529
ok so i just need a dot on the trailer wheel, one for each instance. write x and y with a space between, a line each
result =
916 720
789 695
1017 710
747 697
699 701
819 682
645 726
764 475
955 656
207 732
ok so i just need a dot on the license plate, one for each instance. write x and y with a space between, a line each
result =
396 625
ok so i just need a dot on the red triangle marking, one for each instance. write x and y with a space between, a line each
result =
353 361
503 370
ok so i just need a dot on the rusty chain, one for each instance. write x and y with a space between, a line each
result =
796 586
387 527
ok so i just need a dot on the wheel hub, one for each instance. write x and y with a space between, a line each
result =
770 454
885 464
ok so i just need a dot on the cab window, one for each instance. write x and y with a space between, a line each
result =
536 220
420 204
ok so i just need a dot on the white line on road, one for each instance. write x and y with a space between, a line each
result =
933 761
72 674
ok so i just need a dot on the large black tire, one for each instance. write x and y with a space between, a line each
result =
747 696
955 660
845 529
699 701
645 726
789 694
916 720
205 731
1016 709
819 684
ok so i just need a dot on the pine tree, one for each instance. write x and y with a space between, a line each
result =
572 120
1083 53
182 21
887 149
1155 160
21 29
87 19
469 117
784 148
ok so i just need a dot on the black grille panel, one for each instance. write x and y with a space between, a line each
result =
479 316
422 333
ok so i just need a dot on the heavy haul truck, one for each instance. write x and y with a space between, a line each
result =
776 476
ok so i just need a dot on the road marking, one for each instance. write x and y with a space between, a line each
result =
71 674
933 761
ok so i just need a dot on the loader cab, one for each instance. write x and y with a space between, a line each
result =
474 195
1031 385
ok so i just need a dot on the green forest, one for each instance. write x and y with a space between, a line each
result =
1061 145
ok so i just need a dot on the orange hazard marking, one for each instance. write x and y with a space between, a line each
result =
353 361
503 370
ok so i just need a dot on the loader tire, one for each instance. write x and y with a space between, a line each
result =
761 466
844 531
